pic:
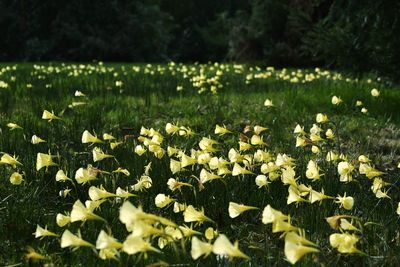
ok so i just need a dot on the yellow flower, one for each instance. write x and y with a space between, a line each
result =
16 178
188 231
210 233
10 160
375 92
37 140
43 232
145 182
171 129
221 130
113 145
105 241
49 116
294 196
81 213
261 180
82 176
33 255
108 137
193 215
200 248
318 196
174 184
79 93
70 240
13 126
44 160
312 171
344 243
222 246
136 244
299 130
62 219
256 140
331 156
99 193
359 103
89 138
329 134
345 202
61 176
345 170
364 110
369 171
295 247
259 129
187 161
122 170
99 155
336 100
347 226
268 103
140 150
398 209
239 170
271 215
206 176
162 200
236 209
122 193
321 118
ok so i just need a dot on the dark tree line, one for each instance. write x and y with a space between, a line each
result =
359 35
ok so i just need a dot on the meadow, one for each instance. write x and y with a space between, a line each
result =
197 165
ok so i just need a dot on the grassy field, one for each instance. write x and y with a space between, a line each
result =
164 120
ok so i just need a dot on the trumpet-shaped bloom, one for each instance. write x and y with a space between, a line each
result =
296 246
16 178
174 184
336 100
99 155
312 171
345 202
13 126
271 215
239 170
61 176
193 215
200 248
321 118
123 193
344 243
62 220
70 240
135 244
96 193
236 209
81 213
345 170
87 137
375 92
44 160
145 182
43 232
83 176
221 130
37 140
222 246
105 241
47 115
268 103
261 180
10 160
162 200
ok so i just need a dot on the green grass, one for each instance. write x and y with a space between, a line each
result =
151 100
